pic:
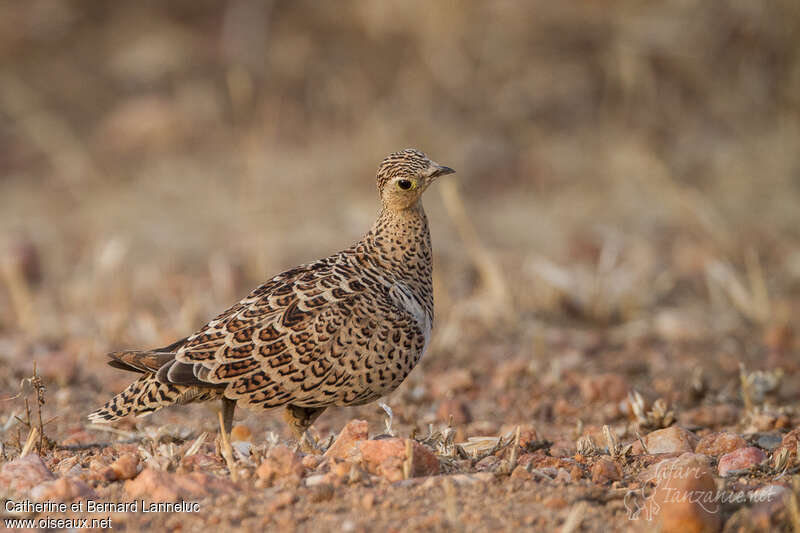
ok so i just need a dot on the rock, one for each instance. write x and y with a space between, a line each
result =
555 502
456 408
539 460
779 337
711 415
386 457
766 421
528 435
521 473
454 381
741 459
487 464
605 471
720 443
562 448
241 433
22 257
160 486
563 476
68 466
139 123
342 472
202 462
668 440
321 493
78 437
281 463
316 479
351 434
768 502
242 449
678 326
685 497
604 387
65 489
686 461
368 501
60 367
281 500
509 372
471 479
769 441
789 443
311 462
23 474
125 467
565 408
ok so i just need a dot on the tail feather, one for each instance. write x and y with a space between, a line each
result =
140 361
146 395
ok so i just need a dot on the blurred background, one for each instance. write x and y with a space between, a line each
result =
628 184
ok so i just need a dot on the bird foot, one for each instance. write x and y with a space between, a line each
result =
308 444
388 420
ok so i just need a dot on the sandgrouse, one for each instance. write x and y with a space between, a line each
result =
343 330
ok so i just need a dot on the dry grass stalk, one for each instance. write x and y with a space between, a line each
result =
614 288
48 132
756 385
644 446
781 461
514 451
38 386
758 285
751 300
227 451
451 510
615 449
409 462
681 197
491 275
747 395
129 435
586 446
574 518
30 441
21 297
793 508
195 447
659 416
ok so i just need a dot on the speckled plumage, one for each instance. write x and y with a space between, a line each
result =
343 330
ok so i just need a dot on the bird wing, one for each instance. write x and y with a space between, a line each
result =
283 343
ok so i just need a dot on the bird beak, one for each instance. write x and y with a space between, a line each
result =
440 170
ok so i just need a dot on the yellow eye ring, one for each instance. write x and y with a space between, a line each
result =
406 185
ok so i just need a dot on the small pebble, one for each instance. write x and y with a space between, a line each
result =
720 443
741 459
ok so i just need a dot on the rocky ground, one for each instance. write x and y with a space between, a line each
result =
578 442
616 261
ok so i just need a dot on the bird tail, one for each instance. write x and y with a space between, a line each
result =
142 397
146 395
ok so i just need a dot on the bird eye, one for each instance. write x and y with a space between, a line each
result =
405 184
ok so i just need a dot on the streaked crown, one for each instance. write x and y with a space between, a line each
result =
408 162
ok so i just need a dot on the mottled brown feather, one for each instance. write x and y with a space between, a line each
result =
343 330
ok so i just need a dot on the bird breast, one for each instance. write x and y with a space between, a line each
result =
404 298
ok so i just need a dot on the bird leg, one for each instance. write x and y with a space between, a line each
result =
228 407
299 420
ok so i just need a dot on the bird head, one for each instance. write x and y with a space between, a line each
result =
403 177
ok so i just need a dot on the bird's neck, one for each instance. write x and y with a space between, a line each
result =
409 226
401 241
